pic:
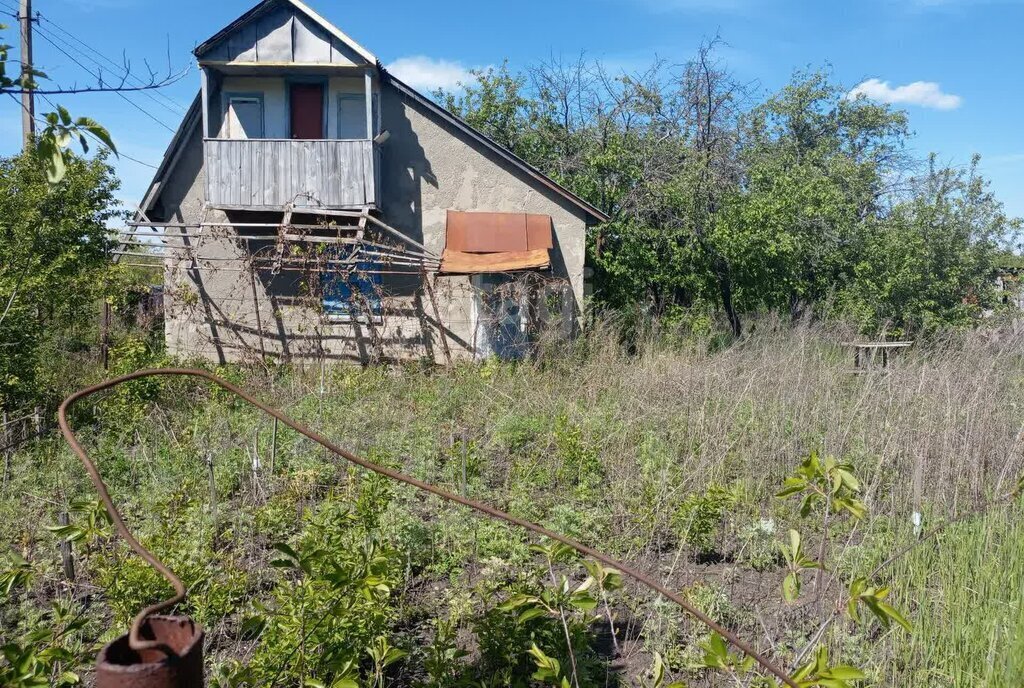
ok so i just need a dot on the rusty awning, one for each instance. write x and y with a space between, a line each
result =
496 242
462 263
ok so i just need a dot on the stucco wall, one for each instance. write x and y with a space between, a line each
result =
427 168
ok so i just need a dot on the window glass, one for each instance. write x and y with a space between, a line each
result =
351 292
245 117
352 115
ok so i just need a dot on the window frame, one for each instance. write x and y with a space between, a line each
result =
228 96
361 98
340 309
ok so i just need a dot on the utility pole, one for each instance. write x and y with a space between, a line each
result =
28 106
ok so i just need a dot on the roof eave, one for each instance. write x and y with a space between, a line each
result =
305 9
171 155
501 150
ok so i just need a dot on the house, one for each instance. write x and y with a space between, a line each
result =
312 205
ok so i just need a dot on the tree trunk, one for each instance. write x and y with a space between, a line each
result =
725 290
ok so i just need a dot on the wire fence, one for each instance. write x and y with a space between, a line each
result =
16 430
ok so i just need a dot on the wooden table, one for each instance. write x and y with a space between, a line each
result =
864 352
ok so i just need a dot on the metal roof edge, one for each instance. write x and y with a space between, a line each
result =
490 143
188 123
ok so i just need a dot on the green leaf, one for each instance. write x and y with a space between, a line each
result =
791 587
794 543
286 550
531 613
896 616
792 486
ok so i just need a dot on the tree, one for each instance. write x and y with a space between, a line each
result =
816 170
54 264
928 262
801 203
52 143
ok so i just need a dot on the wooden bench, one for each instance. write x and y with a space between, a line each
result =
864 353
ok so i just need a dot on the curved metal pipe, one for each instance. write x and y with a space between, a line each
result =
139 644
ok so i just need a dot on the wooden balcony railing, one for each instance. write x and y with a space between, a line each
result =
268 173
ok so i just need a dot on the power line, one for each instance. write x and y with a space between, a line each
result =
88 133
168 102
147 113
100 141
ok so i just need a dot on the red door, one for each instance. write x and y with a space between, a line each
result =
307 105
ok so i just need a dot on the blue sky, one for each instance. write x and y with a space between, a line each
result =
956 65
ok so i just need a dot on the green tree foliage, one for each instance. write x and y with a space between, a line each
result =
805 202
927 262
60 130
54 265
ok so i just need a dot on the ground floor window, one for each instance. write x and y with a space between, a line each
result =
351 292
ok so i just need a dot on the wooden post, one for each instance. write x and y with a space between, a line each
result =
105 336
465 459
213 489
256 450
66 557
7 450
368 81
437 319
37 421
273 448
256 310
204 80
28 106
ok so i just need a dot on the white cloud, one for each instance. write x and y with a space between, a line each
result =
924 93
429 74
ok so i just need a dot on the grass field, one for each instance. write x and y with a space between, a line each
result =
669 459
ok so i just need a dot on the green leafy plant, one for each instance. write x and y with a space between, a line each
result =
658 675
717 656
48 654
383 655
91 523
873 597
818 672
549 670
17 574
827 483
796 563
698 517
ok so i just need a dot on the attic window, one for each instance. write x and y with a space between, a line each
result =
496 242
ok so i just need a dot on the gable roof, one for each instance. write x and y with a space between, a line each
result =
493 145
301 7
192 118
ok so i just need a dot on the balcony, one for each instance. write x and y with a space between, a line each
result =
269 173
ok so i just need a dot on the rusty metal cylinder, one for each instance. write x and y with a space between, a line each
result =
119 666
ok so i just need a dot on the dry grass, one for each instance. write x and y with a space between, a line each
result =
607 447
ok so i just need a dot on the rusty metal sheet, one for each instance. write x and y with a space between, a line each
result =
538 232
477 232
462 263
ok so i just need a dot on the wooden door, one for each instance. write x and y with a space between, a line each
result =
307 111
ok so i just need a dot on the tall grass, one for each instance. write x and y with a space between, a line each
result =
611 447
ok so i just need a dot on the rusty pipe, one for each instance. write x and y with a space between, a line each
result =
139 644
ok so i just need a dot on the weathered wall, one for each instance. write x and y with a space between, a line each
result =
274 90
219 311
282 35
